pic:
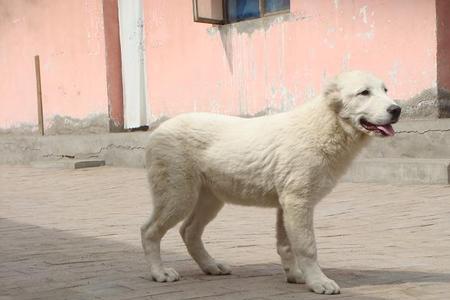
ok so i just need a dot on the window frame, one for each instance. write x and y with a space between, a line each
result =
268 14
208 20
226 20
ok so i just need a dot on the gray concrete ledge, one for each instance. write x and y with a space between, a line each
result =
413 139
400 171
116 149
419 153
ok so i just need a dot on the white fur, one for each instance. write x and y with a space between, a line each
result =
290 161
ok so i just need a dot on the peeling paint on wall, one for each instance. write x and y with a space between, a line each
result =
96 123
431 103
93 26
346 62
336 4
393 73
212 31
363 13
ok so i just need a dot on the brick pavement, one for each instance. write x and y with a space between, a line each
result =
74 234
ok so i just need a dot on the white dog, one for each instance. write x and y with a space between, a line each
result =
290 161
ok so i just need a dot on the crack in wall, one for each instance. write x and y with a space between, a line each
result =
59 155
119 147
424 131
94 154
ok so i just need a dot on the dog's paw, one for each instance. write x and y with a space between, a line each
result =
165 275
324 286
294 276
216 268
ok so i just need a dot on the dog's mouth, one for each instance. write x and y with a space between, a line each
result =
380 130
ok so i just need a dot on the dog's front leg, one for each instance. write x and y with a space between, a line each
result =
298 222
290 266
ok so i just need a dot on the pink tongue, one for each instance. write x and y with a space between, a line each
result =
387 129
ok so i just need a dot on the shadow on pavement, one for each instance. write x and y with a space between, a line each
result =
43 263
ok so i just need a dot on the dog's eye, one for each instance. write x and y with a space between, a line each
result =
385 90
364 93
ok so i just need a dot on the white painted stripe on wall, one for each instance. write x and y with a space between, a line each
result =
131 22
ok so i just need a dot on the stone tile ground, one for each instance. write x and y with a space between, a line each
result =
74 234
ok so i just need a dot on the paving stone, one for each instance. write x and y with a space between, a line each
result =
74 234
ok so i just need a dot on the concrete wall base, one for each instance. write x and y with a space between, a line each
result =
419 153
116 149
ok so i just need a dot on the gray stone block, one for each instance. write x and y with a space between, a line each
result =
68 163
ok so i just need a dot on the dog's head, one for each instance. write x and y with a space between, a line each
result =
360 99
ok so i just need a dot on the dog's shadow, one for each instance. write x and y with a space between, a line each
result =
349 278
353 278
84 266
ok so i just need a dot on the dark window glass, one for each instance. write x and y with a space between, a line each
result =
275 5
239 10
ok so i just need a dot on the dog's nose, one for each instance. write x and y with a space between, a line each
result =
395 111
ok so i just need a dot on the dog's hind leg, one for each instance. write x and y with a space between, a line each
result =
290 266
171 204
192 229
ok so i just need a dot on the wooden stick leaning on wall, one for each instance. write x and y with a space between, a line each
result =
37 66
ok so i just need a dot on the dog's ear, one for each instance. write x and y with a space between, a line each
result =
332 95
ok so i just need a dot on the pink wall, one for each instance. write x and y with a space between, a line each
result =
271 63
68 36
278 62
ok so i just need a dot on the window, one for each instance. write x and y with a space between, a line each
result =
229 11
